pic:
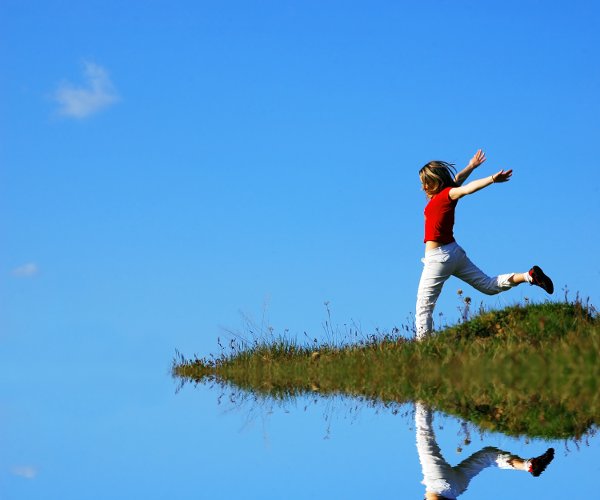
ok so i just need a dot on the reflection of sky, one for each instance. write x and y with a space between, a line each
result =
165 166
93 432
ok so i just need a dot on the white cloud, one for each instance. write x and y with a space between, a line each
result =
81 101
25 471
26 270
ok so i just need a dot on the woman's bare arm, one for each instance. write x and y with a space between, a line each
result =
478 159
474 186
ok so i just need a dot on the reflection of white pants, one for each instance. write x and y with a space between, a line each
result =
438 476
441 263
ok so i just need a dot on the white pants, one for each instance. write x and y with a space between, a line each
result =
439 264
438 475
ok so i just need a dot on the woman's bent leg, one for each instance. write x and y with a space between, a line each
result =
490 285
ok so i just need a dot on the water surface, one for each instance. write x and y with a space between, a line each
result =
112 424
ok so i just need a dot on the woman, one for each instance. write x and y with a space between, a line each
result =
443 256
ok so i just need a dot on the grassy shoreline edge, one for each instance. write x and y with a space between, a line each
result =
524 370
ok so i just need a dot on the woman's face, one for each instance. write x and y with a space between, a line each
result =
425 187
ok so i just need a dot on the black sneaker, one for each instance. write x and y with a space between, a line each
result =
540 279
539 464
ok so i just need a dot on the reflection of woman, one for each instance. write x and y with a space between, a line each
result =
443 481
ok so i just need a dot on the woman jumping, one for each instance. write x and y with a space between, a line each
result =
443 257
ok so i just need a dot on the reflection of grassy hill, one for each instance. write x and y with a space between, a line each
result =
524 370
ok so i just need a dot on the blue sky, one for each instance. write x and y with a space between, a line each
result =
166 165
219 156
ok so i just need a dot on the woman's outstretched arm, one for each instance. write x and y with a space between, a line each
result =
478 159
474 186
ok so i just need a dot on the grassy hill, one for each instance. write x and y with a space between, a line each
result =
525 370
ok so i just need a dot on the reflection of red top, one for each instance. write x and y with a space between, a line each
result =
439 218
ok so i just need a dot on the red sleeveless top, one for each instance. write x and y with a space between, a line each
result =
439 218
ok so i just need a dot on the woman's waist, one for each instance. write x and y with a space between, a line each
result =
433 245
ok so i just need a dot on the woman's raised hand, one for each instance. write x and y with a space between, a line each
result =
502 176
478 159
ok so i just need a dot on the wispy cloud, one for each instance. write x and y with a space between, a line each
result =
26 270
97 93
25 471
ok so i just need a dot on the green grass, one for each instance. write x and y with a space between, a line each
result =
525 370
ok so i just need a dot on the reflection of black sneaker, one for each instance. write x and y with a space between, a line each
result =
540 279
539 464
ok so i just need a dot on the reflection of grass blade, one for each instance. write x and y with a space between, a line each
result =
530 370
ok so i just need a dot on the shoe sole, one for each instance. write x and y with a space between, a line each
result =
543 281
545 460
